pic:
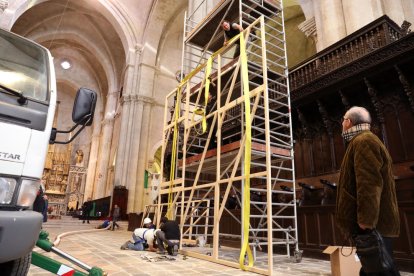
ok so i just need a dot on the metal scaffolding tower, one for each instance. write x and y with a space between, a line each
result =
227 155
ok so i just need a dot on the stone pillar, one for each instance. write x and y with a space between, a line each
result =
93 151
139 201
395 10
128 146
93 157
408 7
335 19
120 159
125 167
360 13
105 146
330 23
135 153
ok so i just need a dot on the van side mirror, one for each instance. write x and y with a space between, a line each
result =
84 106
82 114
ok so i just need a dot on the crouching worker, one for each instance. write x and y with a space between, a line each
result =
143 239
104 224
168 234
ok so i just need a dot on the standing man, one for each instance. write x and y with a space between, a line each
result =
45 198
86 209
115 217
230 31
39 202
169 233
367 202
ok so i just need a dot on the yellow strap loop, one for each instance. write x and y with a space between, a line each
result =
176 118
202 111
174 153
247 158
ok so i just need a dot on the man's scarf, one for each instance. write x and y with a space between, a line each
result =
355 130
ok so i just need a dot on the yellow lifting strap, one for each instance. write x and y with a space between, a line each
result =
202 111
176 118
247 158
174 152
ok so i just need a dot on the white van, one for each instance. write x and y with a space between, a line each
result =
27 108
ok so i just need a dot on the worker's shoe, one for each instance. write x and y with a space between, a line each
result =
161 252
175 250
125 246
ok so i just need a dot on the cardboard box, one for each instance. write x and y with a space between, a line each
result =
344 261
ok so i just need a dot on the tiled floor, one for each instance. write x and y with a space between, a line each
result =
102 249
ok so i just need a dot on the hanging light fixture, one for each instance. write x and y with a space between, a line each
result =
65 64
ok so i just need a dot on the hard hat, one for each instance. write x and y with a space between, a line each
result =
147 220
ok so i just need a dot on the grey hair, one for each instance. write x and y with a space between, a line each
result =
358 115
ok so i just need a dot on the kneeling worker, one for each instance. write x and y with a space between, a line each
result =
170 234
143 239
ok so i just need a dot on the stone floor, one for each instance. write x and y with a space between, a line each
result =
101 248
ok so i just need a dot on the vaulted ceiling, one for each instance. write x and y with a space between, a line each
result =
75 31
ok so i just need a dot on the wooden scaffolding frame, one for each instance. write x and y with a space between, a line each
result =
235 146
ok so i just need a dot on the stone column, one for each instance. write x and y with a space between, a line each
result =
330 23
130 80
139 200
105 146
136 153
360 13
120 158
336 19
93 157
93 151
124 167
394 9
128 149
408 8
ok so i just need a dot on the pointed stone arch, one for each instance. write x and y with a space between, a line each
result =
115 14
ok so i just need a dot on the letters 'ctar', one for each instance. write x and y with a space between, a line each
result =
7 155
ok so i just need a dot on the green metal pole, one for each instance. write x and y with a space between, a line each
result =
52 265
43 241
55 266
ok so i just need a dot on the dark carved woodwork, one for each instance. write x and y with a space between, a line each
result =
364 69
374 68
379 109
329 128
405 28
376 35
134 221
302 120
317 227
120 198
317 230
375 102
344 100
310 195
329 192
406 85
357 67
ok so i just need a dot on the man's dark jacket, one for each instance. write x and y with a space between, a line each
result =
366 191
